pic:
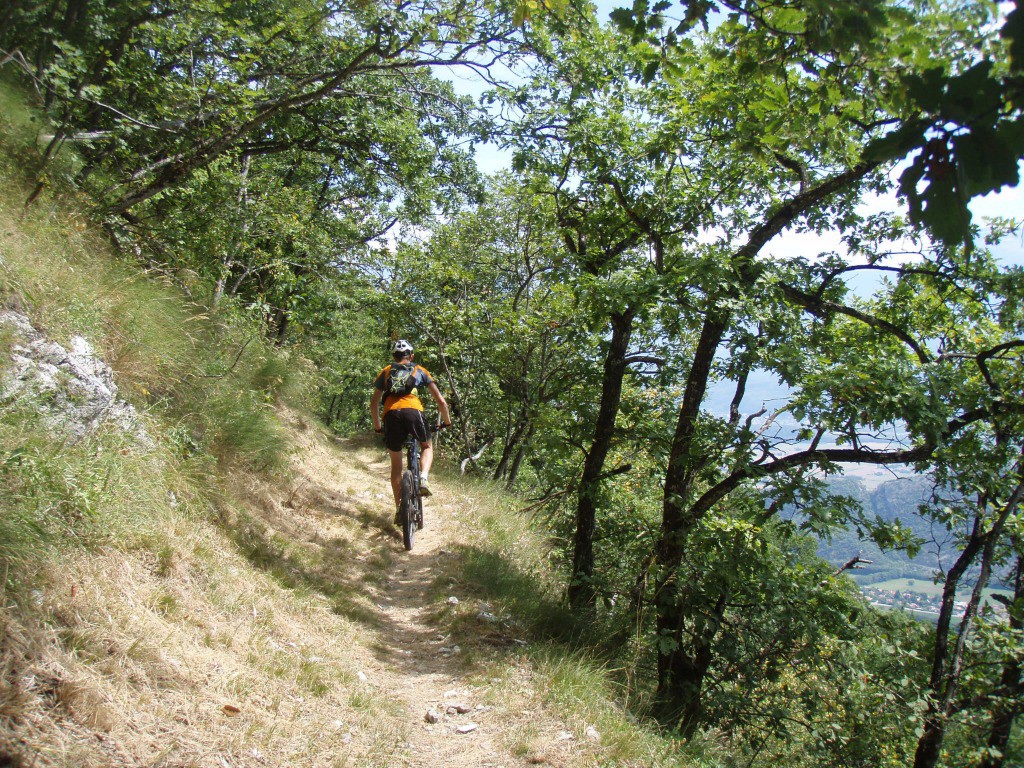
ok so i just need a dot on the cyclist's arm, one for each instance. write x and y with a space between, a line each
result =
442 405
375 409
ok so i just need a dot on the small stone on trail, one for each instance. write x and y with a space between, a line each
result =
458 709
593 734
362 676
467 728
432 716
565 736
453 600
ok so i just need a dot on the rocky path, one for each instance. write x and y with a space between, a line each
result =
476 706
451 723
450 726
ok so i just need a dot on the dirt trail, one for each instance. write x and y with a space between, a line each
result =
421 667
454 719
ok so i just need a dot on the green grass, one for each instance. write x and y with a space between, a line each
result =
508 566
89 492
206 385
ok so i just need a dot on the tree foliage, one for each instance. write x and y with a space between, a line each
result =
600 317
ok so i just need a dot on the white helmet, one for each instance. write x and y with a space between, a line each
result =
401 347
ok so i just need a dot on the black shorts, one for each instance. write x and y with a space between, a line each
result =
401 423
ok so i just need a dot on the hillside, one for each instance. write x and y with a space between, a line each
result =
893 500
312 639
196 573
677 309
896 500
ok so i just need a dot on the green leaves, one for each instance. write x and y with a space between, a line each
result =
940 206
895 144
988 159
969 134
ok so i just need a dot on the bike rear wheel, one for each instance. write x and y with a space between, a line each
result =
408 509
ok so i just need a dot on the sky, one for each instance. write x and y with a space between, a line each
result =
1008 202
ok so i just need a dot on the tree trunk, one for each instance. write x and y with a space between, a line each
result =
511 446
520 455
675 695
947 662
582 596
281 317
1011 683
681 671
943 682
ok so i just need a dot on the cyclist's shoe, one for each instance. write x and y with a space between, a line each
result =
424 487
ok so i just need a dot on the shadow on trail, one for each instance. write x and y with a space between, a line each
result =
501 607
409 638
278 539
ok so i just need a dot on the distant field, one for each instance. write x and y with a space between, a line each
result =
922 586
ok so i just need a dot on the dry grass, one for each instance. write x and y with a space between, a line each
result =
273 634
184 653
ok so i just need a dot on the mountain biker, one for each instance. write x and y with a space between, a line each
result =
403 413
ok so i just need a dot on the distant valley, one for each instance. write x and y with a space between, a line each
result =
892 578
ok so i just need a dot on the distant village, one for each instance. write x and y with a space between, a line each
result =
919 602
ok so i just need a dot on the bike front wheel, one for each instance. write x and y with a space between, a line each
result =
408 509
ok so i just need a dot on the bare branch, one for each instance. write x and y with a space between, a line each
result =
820 307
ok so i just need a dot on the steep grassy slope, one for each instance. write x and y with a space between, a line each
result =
133 616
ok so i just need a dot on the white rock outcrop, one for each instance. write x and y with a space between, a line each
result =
74 389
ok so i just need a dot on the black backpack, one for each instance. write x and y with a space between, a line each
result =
401 380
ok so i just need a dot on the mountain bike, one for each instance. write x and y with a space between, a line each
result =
410 509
